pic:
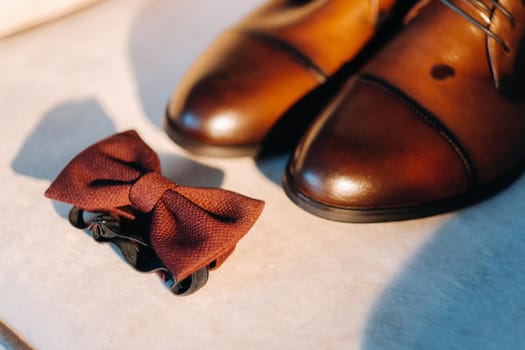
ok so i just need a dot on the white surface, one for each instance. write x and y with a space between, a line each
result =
295 281
16 15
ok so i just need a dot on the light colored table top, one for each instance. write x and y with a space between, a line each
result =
453 281
20 15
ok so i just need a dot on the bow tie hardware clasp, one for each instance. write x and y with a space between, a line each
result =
136 250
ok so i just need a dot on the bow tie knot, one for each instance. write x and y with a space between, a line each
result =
148 190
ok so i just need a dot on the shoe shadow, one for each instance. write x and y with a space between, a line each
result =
464 289
186 172
160 56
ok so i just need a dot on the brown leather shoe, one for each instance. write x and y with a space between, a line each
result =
240 86
434 122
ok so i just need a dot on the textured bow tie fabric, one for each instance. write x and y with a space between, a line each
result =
190 228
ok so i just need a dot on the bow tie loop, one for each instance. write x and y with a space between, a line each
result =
145 193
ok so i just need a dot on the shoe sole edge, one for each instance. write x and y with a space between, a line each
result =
205 149
373 215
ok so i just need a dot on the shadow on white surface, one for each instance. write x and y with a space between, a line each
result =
153 57
165 39
69 128
464 289
273 166
187 172
63 132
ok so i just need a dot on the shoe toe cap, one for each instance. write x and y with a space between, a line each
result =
371 151
236 91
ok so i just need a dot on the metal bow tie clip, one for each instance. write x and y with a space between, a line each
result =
130 238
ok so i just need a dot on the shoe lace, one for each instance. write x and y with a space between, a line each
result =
486 15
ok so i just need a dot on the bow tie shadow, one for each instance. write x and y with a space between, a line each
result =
69 127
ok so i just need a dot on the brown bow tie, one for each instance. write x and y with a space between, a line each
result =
188 229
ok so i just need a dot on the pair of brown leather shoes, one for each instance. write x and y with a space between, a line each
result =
432 122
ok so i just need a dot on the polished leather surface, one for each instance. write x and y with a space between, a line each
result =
437 114
239 87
